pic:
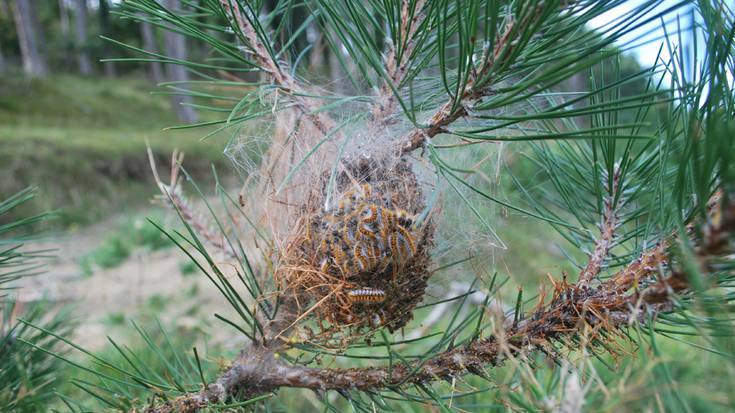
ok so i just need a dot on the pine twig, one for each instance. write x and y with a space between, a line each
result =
397 65
604 244
282 78
451 111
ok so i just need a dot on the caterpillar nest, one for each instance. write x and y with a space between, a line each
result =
362 262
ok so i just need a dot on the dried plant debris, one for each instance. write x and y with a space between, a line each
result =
361 262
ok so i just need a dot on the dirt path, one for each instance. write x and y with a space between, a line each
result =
149 284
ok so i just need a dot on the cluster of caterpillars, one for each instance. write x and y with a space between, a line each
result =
363 233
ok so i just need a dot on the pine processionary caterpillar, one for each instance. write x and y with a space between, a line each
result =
340 258
404 218
360 258
361 295
369 213
407 240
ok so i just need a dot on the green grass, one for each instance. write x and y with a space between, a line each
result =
83 142
188 268
112 253
132 232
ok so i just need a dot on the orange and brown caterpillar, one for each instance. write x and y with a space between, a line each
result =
404 218
307 232
340 258
387 221
355 194
361 258
348 236
374 255
368 232
406 239
361 295
369 213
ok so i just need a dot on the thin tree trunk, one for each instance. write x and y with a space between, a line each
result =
29 37
83 60
578 83
65 33
104 10
2 61
175 45
149 43
64 19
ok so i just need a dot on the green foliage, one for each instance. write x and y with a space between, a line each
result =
163 360
112 253
26 376
115 319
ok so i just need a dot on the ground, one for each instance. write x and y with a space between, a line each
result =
147 283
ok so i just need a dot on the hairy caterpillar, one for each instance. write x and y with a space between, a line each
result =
361 258
372 295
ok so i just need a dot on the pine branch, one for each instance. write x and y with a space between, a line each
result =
397 64
637 293
280 77
173 197
610 221
456 109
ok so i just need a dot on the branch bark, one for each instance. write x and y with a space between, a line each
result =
448 113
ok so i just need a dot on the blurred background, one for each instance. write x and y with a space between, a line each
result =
76 126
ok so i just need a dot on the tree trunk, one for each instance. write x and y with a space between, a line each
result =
175 45
65 34
83 60
149 44
29 37
104 10
2 61
64 19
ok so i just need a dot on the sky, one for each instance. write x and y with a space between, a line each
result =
648 39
